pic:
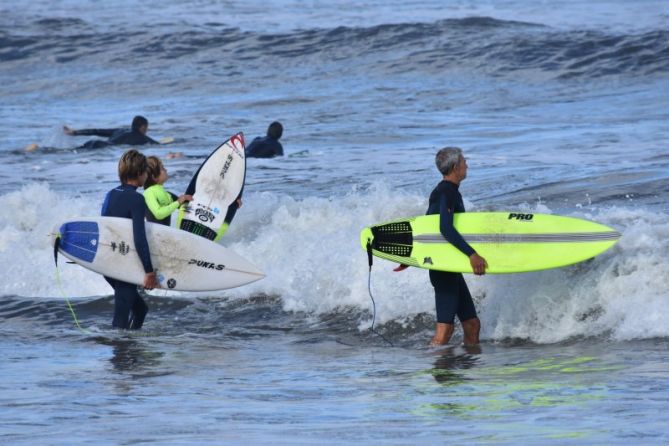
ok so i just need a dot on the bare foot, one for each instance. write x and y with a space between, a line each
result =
31 147
68 130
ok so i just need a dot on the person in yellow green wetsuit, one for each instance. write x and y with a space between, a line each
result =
160 203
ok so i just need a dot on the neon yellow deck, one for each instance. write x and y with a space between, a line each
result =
510 242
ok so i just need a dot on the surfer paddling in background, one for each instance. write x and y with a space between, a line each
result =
135 135
124 201
159 202
451 294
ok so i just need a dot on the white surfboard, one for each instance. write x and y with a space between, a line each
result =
183 261
215 185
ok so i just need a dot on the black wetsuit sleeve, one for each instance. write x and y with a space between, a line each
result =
96 132
138 211
446 212
232 209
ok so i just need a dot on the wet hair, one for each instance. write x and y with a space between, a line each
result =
154 165
275 130
139 121
131 165
447 158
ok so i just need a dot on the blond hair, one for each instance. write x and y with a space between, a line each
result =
131 165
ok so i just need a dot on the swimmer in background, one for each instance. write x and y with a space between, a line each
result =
135 136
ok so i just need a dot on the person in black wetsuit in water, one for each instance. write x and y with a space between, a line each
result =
134 136
124 201
267 146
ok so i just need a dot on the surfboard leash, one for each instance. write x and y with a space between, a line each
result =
59 282
370 260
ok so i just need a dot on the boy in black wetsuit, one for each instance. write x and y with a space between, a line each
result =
124 201
134 136
452 296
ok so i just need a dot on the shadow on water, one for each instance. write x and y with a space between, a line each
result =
130 356
450 363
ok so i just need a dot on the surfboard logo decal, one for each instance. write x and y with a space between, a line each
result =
204 215
226 166
520 217
208 265
237 144
122 247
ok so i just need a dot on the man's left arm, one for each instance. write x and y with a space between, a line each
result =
446 214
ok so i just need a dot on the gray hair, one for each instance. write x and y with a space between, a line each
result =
447 158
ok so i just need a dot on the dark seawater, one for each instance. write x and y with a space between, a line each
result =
560 108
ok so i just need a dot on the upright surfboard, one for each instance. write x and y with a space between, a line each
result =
216 184
511 242
183 261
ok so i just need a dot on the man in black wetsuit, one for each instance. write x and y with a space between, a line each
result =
268 146
134 136
452 296
124 201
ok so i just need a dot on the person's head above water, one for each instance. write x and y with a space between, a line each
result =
132 167
140 124
275 130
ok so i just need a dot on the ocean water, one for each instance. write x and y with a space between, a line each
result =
560 108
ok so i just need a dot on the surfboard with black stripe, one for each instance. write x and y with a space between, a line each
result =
216 184
510 242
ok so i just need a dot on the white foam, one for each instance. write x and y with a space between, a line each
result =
311 253
27 218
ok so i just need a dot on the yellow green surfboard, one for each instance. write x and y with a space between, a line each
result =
511 242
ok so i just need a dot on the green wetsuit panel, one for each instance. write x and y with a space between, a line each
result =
160 204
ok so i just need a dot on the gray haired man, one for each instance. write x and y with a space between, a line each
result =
452 296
